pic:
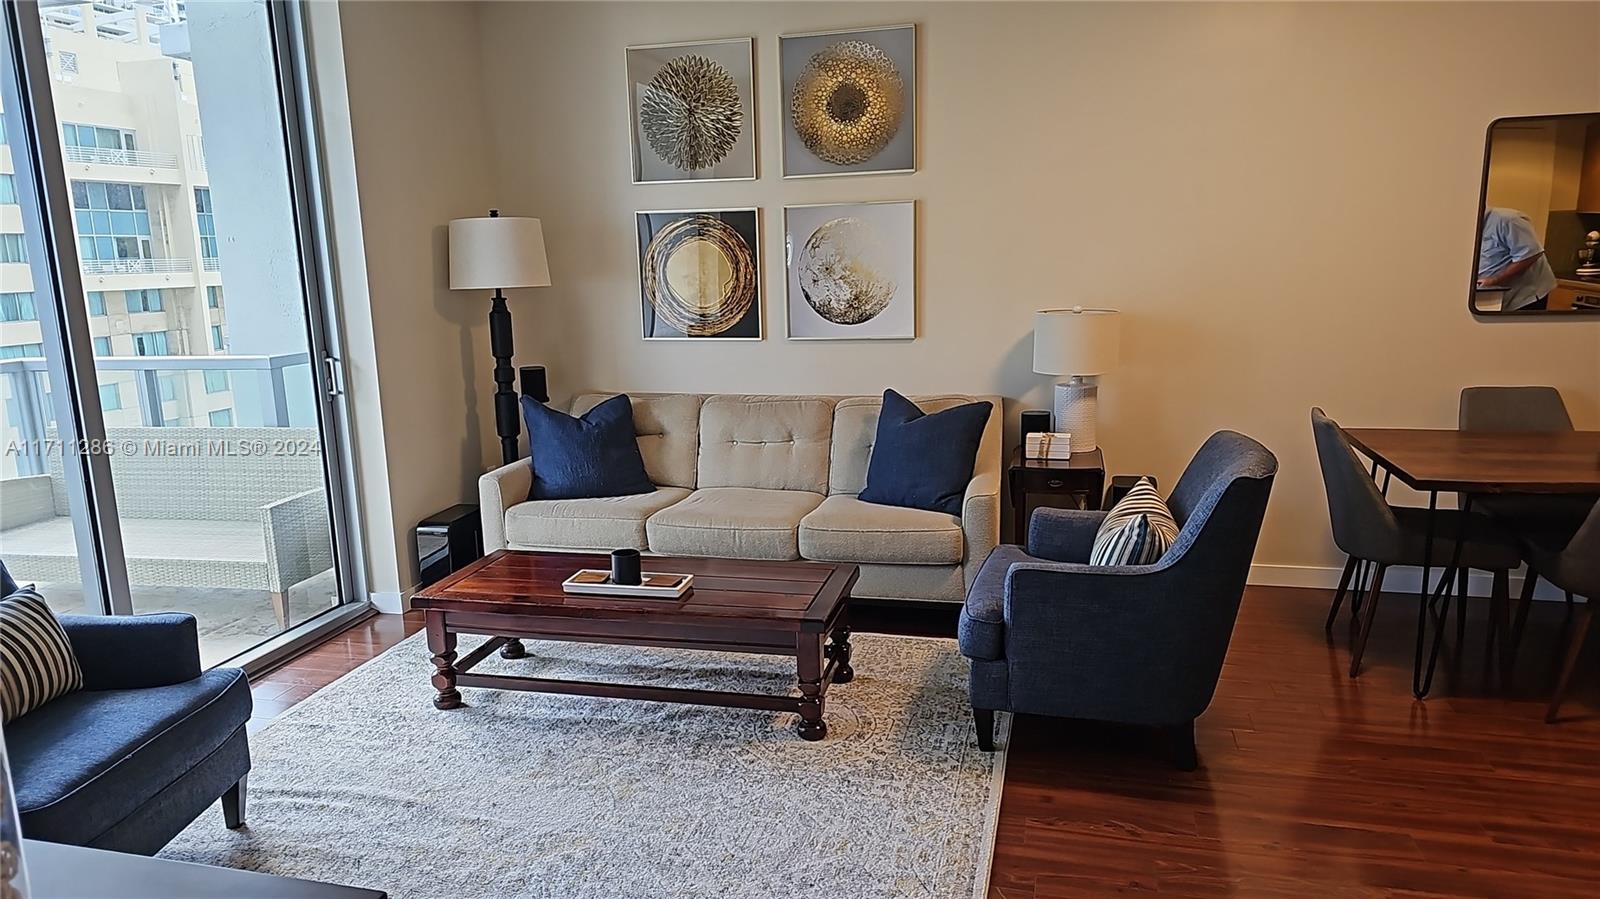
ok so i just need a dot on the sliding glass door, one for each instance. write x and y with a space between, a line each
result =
185 287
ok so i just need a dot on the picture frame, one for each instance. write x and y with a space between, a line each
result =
850 271
700 274
666 82
847 77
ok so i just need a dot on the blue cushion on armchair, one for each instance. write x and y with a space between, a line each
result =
584 458
921 460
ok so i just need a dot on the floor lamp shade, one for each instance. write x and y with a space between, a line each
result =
1083 344
497 251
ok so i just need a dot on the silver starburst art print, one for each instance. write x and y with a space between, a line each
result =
692 111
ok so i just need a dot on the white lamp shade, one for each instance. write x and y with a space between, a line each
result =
497 251
1076 341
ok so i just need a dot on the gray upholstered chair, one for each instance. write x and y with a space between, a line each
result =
1049 634
1573 565
1369 530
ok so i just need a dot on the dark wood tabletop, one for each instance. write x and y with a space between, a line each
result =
781 595
1486 462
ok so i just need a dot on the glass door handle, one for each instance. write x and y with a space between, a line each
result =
335 376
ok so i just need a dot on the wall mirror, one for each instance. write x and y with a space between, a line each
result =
1539 218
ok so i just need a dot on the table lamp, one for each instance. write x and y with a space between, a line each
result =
499 252
1082 343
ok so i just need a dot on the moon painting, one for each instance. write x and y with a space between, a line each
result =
692 110
699 274
851 271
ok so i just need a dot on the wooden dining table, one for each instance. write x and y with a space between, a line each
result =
1473 463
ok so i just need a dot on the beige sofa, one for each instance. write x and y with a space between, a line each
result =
764 477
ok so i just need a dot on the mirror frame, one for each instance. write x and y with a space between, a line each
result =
1477 231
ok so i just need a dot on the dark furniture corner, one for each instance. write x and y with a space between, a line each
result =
148 744
1078 481
448 541
1049 634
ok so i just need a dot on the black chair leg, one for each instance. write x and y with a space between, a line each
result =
984 719
1180 743
1530 581
1574 649
1338 595
1368 612
233 805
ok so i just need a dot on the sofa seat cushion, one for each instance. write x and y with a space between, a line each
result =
600 524
845 529
733 522
981 631
89 759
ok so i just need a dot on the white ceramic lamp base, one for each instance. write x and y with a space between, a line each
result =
1076 407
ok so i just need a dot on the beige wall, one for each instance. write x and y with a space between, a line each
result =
1281 198
417 116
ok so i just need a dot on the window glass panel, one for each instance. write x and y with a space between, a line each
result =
222 418
8 188
97 302
80 194
110 398
97 195
102 346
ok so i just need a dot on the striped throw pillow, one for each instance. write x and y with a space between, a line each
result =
36 660
1138 530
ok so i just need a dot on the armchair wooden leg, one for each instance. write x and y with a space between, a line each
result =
1574 649
984 719
233 805
280 608
1180 743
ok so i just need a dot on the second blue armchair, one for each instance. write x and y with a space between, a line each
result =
1049 634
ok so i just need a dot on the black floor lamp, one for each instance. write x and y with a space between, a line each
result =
495 253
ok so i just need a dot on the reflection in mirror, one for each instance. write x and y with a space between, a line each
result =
1539 217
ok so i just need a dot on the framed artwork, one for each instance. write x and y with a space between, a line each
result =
691 110
851 271
700 274
849 102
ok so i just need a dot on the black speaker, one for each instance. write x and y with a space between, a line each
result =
533 383
447 541
1121 484
1035 421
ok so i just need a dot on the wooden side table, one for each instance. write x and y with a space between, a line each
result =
1080 479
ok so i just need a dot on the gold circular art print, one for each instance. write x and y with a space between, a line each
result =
699 275
848 102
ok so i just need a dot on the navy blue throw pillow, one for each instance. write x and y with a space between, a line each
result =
583 458
924 461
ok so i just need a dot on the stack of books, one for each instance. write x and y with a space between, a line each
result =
1046 445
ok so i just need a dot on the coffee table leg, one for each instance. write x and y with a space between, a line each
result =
513 650
811 703
839 650
442 643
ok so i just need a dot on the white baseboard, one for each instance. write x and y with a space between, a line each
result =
392 602
1398 580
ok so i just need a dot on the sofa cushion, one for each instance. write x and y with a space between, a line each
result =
770 442
601 524
87 760
668 429
924 460
36 660
855 428
733 522
981 631
595 455
845 529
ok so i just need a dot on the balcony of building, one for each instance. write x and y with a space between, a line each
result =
217 474
134 166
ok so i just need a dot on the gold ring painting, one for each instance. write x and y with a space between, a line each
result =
850 102
692 111
699 274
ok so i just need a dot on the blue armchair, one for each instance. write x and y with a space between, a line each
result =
1048 634
148 744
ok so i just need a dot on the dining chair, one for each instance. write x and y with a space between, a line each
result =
1371 531
1575 568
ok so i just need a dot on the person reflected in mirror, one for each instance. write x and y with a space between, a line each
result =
1510 258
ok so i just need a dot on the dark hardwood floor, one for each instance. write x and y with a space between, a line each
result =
1310 784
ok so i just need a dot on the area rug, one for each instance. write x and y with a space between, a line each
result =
532 795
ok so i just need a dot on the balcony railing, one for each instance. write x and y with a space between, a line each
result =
137 266
211 264
138 158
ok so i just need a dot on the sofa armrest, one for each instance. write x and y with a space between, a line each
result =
498 491
132 652
1063 535
980 520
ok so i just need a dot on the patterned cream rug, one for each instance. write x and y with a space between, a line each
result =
524 794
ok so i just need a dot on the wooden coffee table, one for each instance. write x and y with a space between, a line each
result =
798 609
